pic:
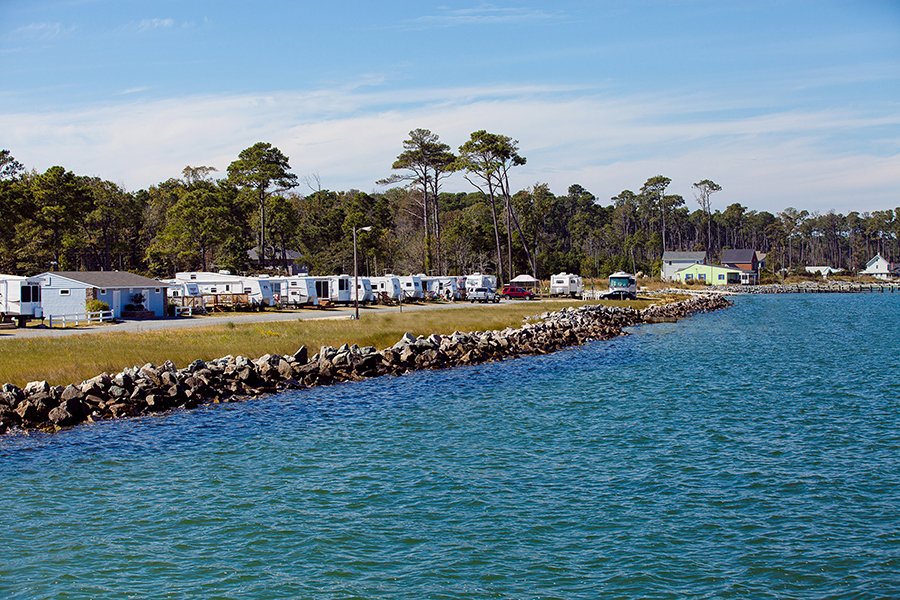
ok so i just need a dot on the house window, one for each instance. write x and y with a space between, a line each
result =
688 276
702 276
721 277
157 290
63 292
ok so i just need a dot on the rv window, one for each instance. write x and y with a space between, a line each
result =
212 290
26 293
248 291
63 292
36 293
227 288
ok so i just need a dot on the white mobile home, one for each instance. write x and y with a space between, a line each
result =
20 296
295 291
477 280
67 292
566 284
441 287
364 291
258 290
334 288
389 285
411 286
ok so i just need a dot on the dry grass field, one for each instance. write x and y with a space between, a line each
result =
72 359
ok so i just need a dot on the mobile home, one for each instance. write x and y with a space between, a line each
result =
258 290
364 291
477 280
295 291
566 284
334 288
20 297
441 287
389 285
411 286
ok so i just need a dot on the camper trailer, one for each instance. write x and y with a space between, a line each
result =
295 291
412 286
334 288
388 285
20 297
258 290
441 287
477 280
566 284
622 286
364 293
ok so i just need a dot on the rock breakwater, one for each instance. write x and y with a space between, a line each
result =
147 389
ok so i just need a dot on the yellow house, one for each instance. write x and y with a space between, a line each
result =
709 274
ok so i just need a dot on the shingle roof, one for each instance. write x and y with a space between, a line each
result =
109 279
681 256
742 255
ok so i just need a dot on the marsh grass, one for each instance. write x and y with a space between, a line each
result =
75 358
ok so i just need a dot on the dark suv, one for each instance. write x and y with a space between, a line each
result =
516 292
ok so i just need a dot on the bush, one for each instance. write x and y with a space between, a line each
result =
95 306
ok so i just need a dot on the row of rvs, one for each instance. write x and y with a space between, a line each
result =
304 290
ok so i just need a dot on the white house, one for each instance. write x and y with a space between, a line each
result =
881 268
672 262
67 292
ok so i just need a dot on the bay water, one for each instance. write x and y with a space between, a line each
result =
749 453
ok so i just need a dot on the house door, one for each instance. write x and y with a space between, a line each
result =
116 303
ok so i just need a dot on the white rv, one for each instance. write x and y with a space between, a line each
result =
295 291
441 287
411 286
364 293
477 280
566 284
334 288
20 296
258 290
389 285
622 285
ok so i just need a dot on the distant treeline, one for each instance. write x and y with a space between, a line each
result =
59 220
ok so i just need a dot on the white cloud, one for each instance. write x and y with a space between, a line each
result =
351 136
41 31
148 24
482 15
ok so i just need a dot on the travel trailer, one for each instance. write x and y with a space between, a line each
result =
295 291
441 287
622 286
258 290
411 286
20 297
334 288
566 284
364 293
477 280
389 285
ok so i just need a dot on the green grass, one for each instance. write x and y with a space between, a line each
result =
75 358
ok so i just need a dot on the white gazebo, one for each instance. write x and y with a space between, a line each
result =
524 281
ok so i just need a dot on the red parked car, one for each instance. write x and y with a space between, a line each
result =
516 292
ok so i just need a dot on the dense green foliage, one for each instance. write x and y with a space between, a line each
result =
57 219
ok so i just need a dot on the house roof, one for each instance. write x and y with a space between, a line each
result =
107 279
683 256
738 255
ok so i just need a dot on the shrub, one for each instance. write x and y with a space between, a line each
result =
95 306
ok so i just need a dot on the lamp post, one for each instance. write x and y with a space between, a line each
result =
355 272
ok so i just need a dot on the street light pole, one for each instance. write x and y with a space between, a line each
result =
356 272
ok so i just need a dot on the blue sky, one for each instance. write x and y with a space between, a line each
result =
781 103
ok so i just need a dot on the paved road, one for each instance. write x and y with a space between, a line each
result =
203 321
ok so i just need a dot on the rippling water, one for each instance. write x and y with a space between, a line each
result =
749 453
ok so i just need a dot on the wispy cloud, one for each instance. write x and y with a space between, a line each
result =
41 31
351 136
148 24
482 15
134 90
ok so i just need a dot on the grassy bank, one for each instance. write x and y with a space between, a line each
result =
75 358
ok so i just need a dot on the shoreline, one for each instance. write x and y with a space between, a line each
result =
139 391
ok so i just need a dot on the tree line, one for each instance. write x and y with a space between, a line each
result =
198 221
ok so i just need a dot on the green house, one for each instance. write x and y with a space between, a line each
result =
709 274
